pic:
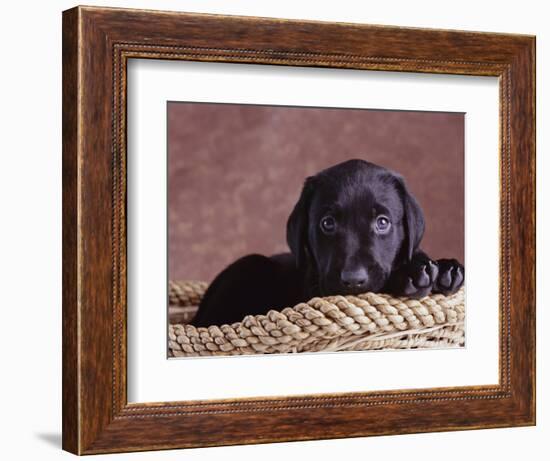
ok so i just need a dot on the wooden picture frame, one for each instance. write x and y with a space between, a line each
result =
97 43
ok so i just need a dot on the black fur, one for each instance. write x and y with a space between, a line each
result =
340 244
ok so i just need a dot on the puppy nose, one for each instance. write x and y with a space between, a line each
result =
354 278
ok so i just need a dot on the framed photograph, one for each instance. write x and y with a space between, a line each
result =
282 230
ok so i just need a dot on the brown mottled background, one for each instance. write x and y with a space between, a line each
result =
235 172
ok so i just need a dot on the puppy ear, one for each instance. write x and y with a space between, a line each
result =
413 220
297 224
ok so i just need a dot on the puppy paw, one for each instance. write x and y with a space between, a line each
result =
416 279
450 277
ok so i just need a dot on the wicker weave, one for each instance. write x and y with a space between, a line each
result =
335 323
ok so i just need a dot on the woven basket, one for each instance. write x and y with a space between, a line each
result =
335 323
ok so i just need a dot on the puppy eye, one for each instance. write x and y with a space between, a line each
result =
328 225
383 224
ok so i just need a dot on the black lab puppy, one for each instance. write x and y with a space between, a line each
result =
355 229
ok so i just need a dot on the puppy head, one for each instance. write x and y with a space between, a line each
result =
353 224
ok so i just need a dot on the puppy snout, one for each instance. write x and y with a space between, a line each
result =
356 278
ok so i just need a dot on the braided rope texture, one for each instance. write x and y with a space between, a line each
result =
368 321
